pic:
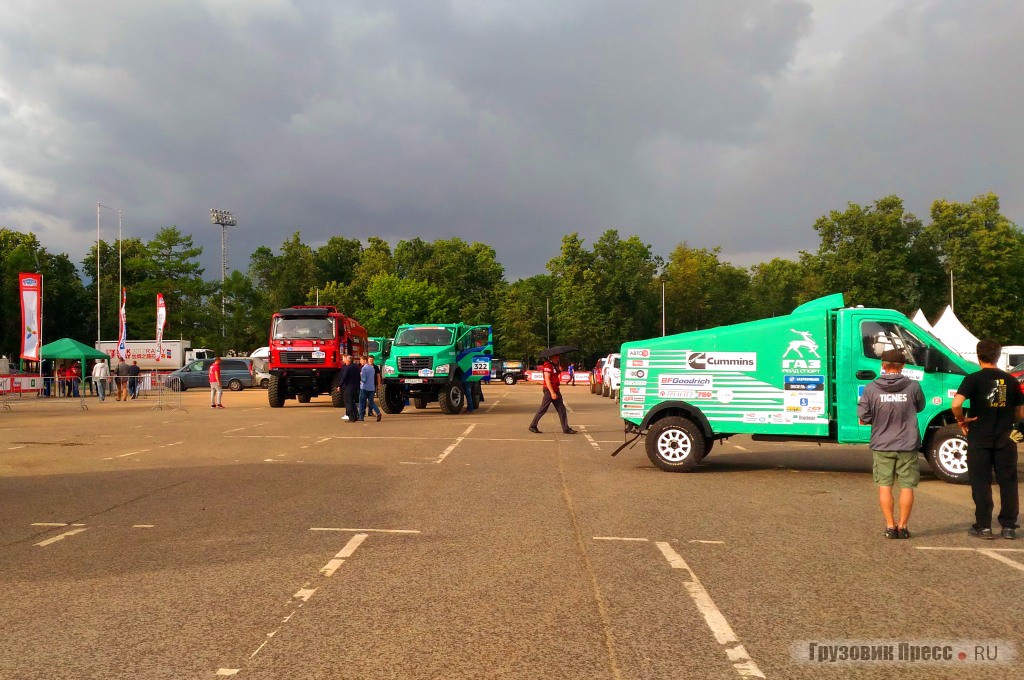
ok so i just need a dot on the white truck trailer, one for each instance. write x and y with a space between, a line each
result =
175 354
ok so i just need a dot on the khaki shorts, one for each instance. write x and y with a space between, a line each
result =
902 464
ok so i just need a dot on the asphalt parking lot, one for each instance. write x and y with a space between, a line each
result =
252 542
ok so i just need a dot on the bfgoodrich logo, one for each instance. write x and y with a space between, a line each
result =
743 361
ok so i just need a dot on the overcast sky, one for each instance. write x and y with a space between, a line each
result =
732 123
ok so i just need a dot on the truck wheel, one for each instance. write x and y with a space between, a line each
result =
478 394
509 379
451 399
391 399
675 444
302 398
604 389
275 394
419 402
337 401
235 385
947 454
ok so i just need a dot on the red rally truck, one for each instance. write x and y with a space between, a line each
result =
306 346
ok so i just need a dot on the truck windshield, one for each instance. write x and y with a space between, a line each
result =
880 336
372 346
424 337
298 329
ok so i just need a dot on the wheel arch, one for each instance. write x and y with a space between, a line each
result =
678 408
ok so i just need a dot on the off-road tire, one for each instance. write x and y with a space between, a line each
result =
451 399
390 398
675 444
337 399
419 402
303 398
947 454
275 393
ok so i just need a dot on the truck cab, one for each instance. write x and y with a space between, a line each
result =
379 348
795 377
431 362
306 346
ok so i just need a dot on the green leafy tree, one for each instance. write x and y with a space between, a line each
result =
337 259
395 301
777 288
985 253
519 319
629 297
701 291
575 314
873 254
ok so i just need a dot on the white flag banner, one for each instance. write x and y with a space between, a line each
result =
31 314
161 321
123 336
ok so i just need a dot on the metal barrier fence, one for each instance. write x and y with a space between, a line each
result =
149 387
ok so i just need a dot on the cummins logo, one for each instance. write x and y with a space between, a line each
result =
722 361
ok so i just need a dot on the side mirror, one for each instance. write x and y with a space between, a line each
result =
932 360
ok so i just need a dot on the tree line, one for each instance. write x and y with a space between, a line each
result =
595 296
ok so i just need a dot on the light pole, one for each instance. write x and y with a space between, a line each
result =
547 313
98 206
225 220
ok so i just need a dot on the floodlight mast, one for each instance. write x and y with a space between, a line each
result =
225 219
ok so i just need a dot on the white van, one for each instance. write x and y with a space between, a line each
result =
610 375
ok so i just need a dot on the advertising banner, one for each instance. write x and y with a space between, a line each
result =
161 321
123 334
31 290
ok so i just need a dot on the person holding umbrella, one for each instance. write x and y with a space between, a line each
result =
552 377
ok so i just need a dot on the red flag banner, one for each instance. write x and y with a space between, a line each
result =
31 289
161 321
123 335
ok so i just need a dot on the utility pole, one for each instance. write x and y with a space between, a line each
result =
547 307
98 206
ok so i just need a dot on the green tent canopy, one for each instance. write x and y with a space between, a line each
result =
66 348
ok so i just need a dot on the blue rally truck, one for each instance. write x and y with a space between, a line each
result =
794 377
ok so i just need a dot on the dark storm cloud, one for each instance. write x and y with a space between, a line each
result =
506 122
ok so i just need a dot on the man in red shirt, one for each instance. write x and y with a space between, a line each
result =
216 391
552 376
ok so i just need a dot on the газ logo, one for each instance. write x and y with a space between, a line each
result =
801 365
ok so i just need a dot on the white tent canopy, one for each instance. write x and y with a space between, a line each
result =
921 320
955 335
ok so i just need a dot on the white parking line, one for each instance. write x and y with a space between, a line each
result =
381 531
583 428
59 537
987 552
617 538
458 441
719 626
346 552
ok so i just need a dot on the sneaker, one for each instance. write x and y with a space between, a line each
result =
220 405
1009 533
892 532
903 533
378 416
569 431
984 534
344 417
211 405
534 430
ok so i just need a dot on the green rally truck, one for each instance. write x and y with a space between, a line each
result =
379 348
430 362
795 377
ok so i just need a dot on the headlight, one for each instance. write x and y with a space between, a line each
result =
389 370
442 369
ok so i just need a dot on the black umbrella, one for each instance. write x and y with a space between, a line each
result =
559 350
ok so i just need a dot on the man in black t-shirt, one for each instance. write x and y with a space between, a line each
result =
996 405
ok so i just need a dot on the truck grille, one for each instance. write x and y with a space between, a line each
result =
298 358
413 364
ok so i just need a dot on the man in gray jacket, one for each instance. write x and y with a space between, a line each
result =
890 405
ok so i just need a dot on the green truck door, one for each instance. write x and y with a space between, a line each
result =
474 352
865 334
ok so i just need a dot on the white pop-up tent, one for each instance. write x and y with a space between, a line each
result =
921 320
955 335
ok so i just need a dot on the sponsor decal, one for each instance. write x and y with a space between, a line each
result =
638 353
637 363
813 383
635 390
426 373
797 357
636 373
633 398
950 394
632 407
755 417
914 373
680 380
937 400
722 361
481 366
725 396
678 394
